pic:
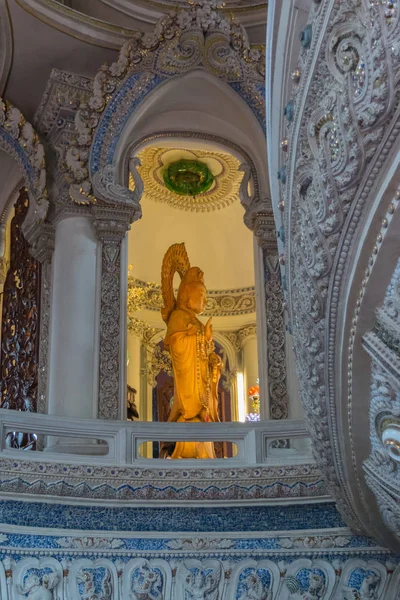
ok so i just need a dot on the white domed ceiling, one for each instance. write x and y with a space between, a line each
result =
143 14
216 238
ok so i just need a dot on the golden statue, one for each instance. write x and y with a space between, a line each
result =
196 367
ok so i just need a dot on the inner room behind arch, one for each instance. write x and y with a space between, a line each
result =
208 219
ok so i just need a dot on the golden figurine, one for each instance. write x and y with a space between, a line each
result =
196 367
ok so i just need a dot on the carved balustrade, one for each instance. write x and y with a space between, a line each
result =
121 440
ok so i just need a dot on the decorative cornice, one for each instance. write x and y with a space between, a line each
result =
260 219
118 485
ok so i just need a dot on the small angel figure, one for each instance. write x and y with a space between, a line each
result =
202 585
89 592
37 588
255 589
147 586
367 591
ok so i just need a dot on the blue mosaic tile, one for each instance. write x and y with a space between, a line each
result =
255 101
256 518
19 151
115 104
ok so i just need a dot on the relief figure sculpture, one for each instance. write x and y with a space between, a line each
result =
196 367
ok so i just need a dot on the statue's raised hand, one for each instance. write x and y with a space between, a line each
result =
192 328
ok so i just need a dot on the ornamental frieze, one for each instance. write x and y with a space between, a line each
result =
219 302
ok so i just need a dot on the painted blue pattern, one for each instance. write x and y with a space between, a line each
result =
9 140
256 518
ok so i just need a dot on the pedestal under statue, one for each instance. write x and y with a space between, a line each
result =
196 367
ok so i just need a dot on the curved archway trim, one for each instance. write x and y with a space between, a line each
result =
19 139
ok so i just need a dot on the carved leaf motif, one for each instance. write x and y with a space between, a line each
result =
20 321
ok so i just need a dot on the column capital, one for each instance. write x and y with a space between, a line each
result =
42 241
111 224
259 217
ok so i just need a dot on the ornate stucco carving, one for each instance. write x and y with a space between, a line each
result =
238 338
19 139
382 467
180 42
42 250
20 319
343 112
111 227
259 218
208 567
278 396
249 190
63 95
381 470
219 302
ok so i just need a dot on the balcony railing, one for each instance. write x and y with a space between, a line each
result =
118 442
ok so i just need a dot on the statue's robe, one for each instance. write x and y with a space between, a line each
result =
195 382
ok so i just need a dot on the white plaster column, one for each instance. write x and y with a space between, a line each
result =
72 322
250 367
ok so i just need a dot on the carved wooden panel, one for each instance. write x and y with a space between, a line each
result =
20 320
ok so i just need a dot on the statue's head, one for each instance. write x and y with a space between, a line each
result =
192 292
32 580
